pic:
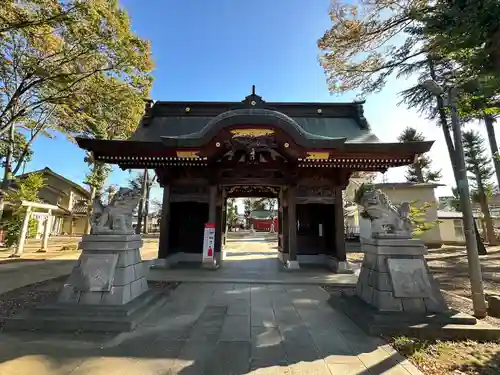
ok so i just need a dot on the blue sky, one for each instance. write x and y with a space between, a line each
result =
217 49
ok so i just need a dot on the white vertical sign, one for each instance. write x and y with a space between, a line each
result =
209 242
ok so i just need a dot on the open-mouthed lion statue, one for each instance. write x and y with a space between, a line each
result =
387 219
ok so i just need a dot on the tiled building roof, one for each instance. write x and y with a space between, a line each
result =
80 208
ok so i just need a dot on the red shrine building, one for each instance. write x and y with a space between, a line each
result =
300 153
262 220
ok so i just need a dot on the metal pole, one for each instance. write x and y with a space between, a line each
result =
475 275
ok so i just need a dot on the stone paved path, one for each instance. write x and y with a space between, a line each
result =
218 329
254 260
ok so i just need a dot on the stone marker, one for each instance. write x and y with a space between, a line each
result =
107 289
409 278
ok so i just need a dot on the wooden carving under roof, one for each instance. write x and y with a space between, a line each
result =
252 190
326 191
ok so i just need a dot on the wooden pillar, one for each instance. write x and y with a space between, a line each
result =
219 219
163 246
292 224
24 233
212 203
284 229
280 220
340 252
46 231
224 218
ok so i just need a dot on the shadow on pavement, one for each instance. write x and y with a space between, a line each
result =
233 331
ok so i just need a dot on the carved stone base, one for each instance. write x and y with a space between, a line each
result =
107 290
292 265
445 325
341 267
108 272
65 317
395 277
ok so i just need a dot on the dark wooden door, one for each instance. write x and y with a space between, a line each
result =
187 225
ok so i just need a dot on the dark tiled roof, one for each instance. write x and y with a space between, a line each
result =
47 170
80 208
314 127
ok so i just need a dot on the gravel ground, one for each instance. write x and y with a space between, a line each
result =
44 292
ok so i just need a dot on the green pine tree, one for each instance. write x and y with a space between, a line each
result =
420 171
478 164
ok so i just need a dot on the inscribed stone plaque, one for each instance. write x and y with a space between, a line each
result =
409 278
97 272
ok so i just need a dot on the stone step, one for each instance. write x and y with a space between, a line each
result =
104 319
448 325
66 309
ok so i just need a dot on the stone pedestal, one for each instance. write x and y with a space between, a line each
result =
396 293
106 291
109 271
395 277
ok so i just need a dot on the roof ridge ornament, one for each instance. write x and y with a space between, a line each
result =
253 99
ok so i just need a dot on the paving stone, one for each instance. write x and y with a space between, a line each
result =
355 368
317 367
209 328
262 317
236 328
229 358
267 349
239 307
257 369
331 344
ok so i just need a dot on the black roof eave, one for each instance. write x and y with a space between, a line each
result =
109 147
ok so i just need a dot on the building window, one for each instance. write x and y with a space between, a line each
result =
459 228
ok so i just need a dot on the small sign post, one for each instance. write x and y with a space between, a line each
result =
208 243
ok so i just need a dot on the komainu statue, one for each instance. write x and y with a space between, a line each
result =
116 217
387 220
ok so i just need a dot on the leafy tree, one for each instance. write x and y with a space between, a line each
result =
25 189
16 15
370 41
109 192
480 171
418 218
469 31
74 67
21 151
420 171
232 212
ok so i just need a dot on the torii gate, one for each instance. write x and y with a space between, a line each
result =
24 231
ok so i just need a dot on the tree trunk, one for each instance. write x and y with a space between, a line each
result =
490 231
93 191
451 151
140 211
489 121
418 172
7 174
146 206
